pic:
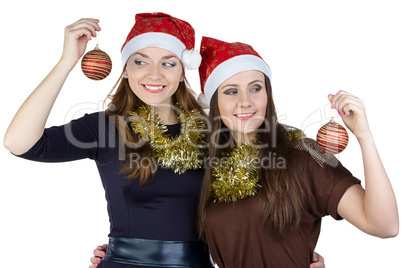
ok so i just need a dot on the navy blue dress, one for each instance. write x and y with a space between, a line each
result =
165 209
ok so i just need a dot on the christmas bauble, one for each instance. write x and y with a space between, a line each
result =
96 64
332 138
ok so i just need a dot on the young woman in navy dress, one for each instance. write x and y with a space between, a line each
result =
152 200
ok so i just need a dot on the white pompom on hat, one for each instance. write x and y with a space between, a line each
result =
191 59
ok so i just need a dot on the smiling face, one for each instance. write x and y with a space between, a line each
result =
242 102
154 75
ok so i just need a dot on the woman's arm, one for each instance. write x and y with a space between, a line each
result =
33 113
373 210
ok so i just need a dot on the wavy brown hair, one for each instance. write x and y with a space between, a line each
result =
123 101
283 194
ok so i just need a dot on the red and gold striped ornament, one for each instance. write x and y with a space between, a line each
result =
332 138
96 64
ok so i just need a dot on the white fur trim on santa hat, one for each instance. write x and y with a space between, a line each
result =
152 39
191 59
231 67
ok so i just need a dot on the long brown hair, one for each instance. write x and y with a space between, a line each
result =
123 101
282 195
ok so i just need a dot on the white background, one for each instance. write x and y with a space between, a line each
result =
54 215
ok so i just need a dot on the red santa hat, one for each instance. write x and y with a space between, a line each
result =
222 60
163 31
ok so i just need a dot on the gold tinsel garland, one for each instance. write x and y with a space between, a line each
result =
180 153
235 176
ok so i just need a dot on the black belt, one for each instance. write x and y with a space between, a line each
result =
157 253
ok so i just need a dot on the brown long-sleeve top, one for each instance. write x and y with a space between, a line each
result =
237 237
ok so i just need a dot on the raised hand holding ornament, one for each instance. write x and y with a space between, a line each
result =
353 113
96 64
332 138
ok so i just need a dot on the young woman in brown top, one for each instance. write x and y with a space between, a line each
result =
267 187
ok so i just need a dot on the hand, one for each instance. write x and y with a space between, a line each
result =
318 261
99 253
353 113
76 37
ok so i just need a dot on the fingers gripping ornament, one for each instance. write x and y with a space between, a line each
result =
96 64
332 138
